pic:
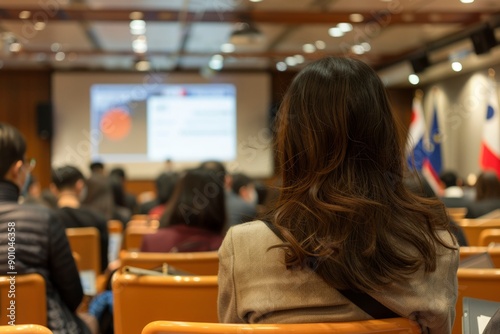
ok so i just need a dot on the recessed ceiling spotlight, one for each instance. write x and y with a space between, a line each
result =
466 1
281 66
137 27
356 17
335 32
358 49
25 14
299 59
143 65
413 79
366 46
39 26
54 47
15 47
456 66
216 62
140 45
255 0
344 26
60 56
227 47
320 45
308 48
291 61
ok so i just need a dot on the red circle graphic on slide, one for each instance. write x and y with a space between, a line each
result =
116 124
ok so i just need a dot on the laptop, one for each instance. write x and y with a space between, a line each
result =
476 314
480 261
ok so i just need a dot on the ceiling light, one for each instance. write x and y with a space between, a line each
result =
456 66
140 45
345 27
357 49
255 0
216 62
60 56
299 59
320 44
136 16
15 47
413 79
291 61
366 46
39 26
308 48
227 47
356 17
335 32
54 47
25 14
137 27
245 33
466 1
281 66
143 65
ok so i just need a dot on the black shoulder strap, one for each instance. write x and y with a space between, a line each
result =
362 300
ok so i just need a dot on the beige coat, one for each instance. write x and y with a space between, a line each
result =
255 287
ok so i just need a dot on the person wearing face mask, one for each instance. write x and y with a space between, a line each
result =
68 184
36 236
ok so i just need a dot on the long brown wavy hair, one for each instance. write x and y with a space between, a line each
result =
343 209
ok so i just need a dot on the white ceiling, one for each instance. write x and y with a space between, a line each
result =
184 34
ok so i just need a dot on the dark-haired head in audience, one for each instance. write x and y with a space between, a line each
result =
118 173
487 186
346 218
165 185
96 167
196 219
218 171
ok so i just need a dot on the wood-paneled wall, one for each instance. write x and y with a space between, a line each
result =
21 91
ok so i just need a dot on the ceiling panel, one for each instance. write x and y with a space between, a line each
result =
136 4
70 35
208 37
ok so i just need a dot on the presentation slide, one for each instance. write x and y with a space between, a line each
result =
139 120
183 123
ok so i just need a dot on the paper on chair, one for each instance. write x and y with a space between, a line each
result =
482 321
88 279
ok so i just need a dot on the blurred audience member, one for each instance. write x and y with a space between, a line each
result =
487 195
98 195
453 193
242 200
166 185
130 199
68 183
120 210
96 167
196 219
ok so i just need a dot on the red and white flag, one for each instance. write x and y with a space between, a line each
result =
490 144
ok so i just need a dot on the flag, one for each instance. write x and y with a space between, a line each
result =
415 142
432 162
490 143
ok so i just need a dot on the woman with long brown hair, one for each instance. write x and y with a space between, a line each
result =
345 231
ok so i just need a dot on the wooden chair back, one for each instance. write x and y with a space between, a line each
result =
490 237
134 236
139 300
457 214
475 283
198 263
473 227
29 297
115 232
86 242
493 251
24 329
382 326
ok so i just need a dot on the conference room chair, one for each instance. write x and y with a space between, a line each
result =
473 227
382 326
134 235
141 299
115 232
24 329
490 237
198 263
30 299
475 283
86 242
457 213
494 252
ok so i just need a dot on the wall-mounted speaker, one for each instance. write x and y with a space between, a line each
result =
483 40
44 120
420 63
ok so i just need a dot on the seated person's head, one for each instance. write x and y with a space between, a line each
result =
13 166
487 186
218 172
97 167
165 185
244 187
67 178
449 179
198 201
119 173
